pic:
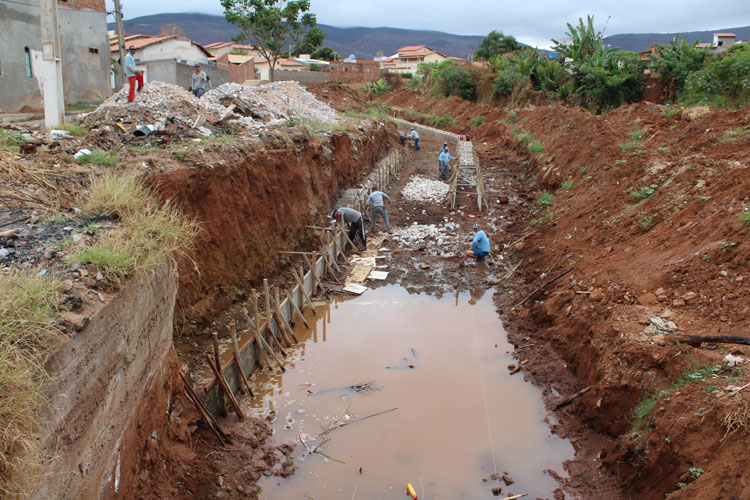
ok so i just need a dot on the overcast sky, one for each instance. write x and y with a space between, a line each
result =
531 22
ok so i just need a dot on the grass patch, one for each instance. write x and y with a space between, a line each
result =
670 112
536 148
645 221
541 220
74 130
643 193
731 135
316 128
744 218
10 140
637 135
479 120
544 200
627 146
697 112
28 336
567 184
149 232
642 411
99 157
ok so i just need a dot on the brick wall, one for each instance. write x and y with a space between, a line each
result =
97 5
654 91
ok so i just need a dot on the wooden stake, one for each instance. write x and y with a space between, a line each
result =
303 292
316 279
217 357
287 328
296 310
573 397
259 338
193 397
346 236
260 352
236 348
225 388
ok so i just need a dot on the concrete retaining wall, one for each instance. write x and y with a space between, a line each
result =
104 374
304 77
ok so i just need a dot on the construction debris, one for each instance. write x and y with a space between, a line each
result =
423 189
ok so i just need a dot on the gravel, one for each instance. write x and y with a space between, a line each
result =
426 190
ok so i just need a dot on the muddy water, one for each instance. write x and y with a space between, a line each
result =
442 363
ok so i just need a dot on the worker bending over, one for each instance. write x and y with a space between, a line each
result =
356 224
480 245
376 199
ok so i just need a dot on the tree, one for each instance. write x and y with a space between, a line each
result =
326 53
676 61
271 25
310 42
495 43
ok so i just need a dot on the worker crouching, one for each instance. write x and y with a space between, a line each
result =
480 245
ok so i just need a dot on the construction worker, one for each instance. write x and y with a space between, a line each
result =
445 167
356 224
134 75
480 245
376 199
415 137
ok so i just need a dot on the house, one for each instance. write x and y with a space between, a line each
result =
218 49
721 42
170 59
241 68
306 60
408 59
263 67
83 48
355 70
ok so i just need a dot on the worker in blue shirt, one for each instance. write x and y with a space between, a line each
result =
415 137
480 245
445 168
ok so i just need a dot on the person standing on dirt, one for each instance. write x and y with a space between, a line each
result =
198 81
415 137
356 224
376 199
445 166
134 75
480 245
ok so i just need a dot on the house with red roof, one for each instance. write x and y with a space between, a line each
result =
408 59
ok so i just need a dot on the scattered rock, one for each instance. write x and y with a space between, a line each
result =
678 302
77 321
660 291
689 296
507 480
662 324
648 299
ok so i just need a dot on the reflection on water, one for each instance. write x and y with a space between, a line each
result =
443 364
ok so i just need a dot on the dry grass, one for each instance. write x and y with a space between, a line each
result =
697 112
736 419
149 232
28 336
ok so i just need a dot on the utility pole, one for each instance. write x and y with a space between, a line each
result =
52 82
120 43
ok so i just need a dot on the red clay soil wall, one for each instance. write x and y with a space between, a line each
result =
252 209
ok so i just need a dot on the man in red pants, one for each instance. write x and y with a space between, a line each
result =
134 75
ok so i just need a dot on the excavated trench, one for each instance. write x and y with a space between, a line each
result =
457 422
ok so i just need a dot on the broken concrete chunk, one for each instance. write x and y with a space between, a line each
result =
662 324
689 296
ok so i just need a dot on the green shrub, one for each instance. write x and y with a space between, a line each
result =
479 120
544 200
643 193
10 140
744 218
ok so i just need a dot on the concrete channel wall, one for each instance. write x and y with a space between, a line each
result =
379 178
107 377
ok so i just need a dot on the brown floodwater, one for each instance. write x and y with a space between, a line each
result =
442 363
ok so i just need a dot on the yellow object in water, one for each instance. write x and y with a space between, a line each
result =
410 491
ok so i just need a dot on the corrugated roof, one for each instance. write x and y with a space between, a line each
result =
282 61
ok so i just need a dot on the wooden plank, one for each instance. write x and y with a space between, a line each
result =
225 387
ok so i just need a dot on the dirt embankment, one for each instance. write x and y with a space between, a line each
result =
643 205
254 207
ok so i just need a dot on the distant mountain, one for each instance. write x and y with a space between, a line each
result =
638 42
362 42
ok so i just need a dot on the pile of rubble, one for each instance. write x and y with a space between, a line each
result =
251 107
269 104
419 236
426 190
156 102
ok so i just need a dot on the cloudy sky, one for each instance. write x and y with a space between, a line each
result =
532 22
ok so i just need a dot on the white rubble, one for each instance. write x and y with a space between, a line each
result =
272 102
441 237
423 189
